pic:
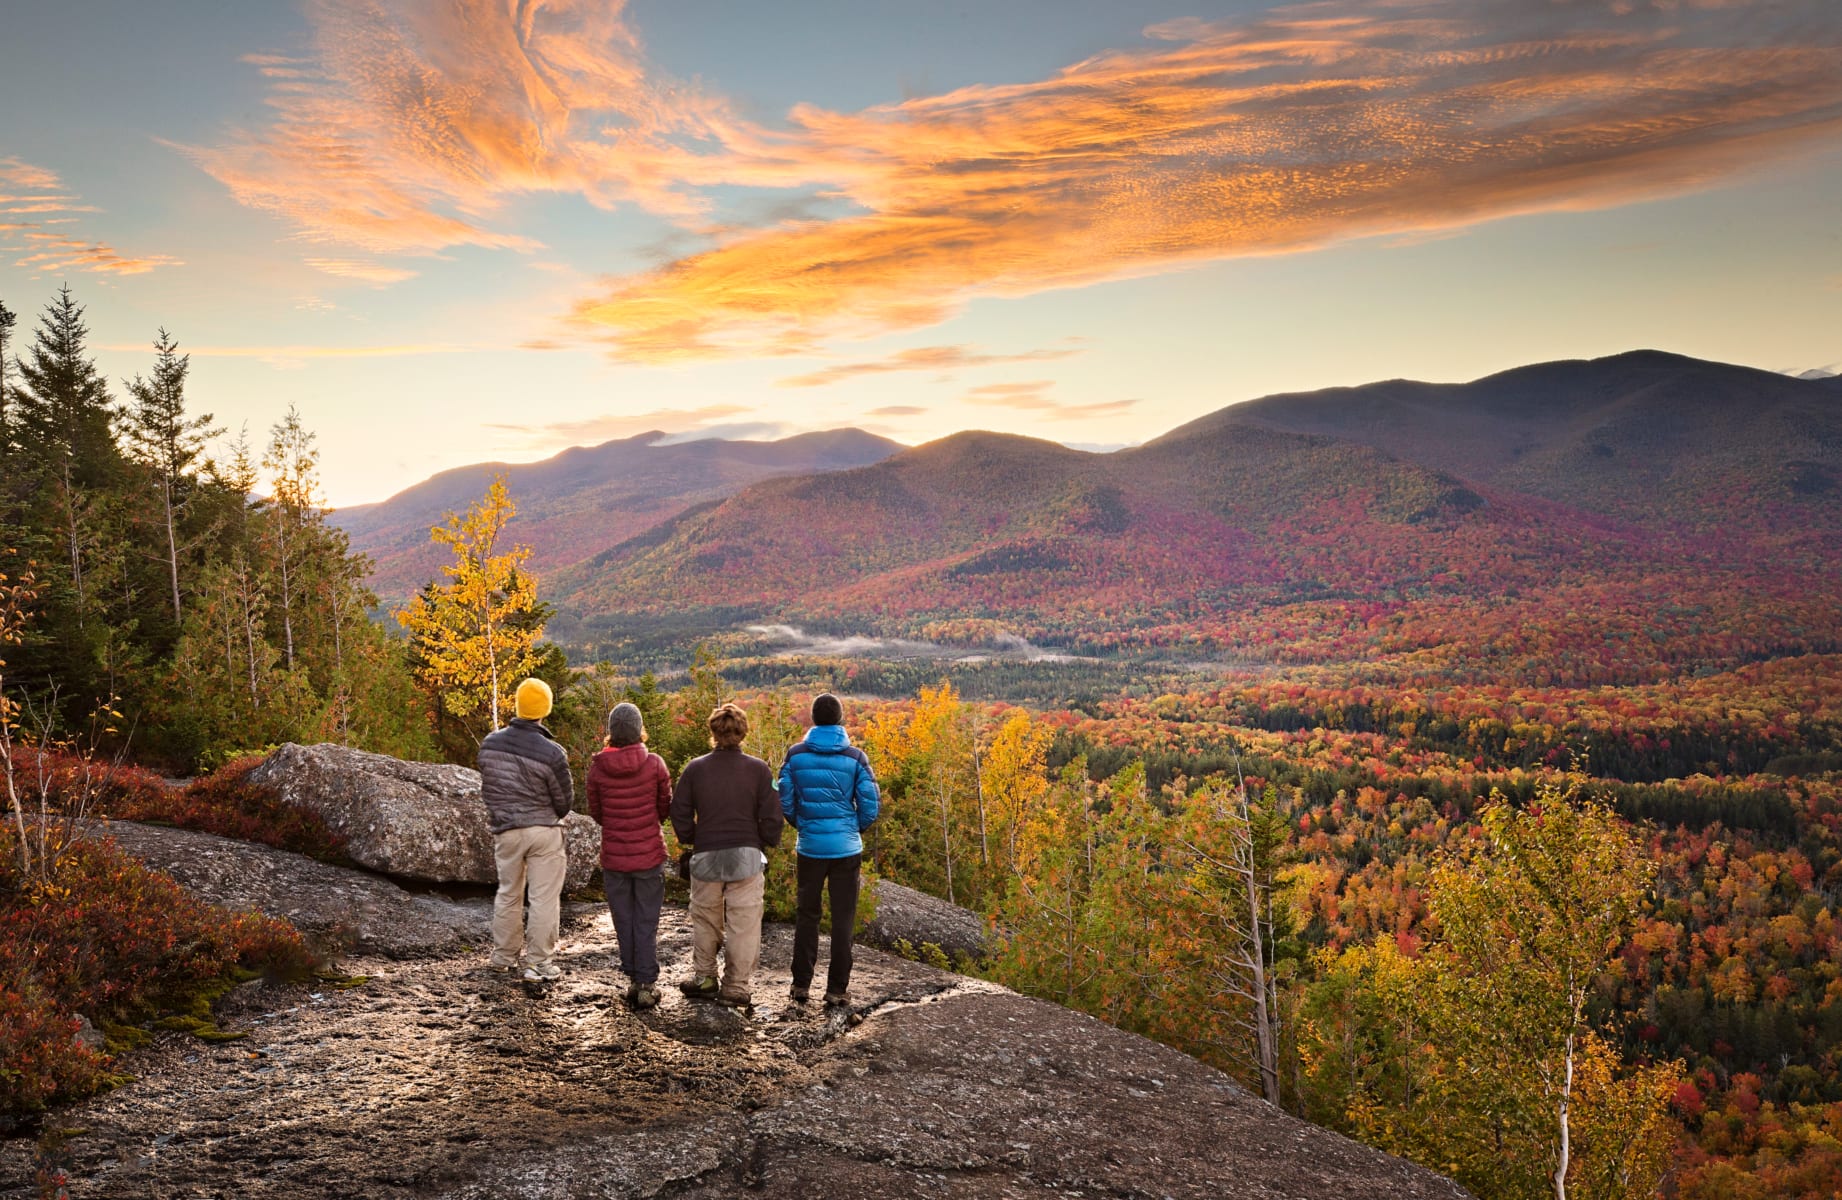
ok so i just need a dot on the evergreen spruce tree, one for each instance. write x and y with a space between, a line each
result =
69 466
295 517
170 444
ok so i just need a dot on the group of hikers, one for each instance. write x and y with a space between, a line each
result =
727 810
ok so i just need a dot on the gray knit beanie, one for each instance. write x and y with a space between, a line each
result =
625 725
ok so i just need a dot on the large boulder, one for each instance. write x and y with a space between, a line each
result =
909 921
421 821
337 909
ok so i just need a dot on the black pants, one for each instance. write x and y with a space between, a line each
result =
814 874
634 900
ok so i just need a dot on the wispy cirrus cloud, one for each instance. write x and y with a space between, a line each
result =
380 274
922 358
672 424
1322 123
1032 395
412 126
15 173
39 192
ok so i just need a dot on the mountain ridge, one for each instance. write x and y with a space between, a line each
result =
1604 476
585 499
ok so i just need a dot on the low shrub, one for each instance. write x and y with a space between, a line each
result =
65 781
224 802
117 942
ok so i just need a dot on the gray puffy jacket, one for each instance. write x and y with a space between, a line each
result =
524 777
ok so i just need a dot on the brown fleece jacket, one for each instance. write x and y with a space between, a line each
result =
726 799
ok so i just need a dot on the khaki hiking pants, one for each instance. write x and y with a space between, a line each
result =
532 857
727 915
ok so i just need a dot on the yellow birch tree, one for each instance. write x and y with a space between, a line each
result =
476 635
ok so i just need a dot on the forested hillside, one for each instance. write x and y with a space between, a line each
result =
578 503
1351 677
182 592
1535 527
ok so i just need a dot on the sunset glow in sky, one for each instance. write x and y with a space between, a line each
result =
458 230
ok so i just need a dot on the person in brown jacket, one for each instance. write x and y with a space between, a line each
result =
726 809
630 795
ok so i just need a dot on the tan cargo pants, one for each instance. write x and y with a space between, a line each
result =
727 915
533 857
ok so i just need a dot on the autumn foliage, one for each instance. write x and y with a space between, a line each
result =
224 802
109 940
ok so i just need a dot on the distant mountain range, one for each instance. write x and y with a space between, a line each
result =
580 502
1622 483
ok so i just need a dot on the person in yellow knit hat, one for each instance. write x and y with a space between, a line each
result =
525 781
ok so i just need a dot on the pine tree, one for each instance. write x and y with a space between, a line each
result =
292 461
69 469
66 424
170 444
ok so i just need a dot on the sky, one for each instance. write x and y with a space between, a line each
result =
454 231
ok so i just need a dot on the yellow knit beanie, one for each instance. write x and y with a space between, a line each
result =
533 703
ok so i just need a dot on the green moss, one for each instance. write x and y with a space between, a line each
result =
119 1039
218 1035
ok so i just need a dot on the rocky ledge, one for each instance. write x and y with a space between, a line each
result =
435 1077
419 821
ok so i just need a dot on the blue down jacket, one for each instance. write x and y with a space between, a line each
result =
828 793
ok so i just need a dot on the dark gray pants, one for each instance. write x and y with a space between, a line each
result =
815 875
634 898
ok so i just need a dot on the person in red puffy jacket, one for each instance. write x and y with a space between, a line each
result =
630 794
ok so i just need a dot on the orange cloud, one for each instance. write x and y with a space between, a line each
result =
687 423
19 174
1033 396
368 272
74 254
919 358
411 124
43 194
1324 123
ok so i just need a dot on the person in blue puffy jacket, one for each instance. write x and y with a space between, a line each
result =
829 795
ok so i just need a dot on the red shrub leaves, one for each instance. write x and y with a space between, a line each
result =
110 939
224 803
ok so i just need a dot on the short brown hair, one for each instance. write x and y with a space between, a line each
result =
728 726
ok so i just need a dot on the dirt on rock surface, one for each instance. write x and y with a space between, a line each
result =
337 909
437 1077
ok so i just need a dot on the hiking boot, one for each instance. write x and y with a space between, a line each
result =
741 1003
835 999
633 995
701 988
798 994
543 973
645 996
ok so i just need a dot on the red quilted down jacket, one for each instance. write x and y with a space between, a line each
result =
630 793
